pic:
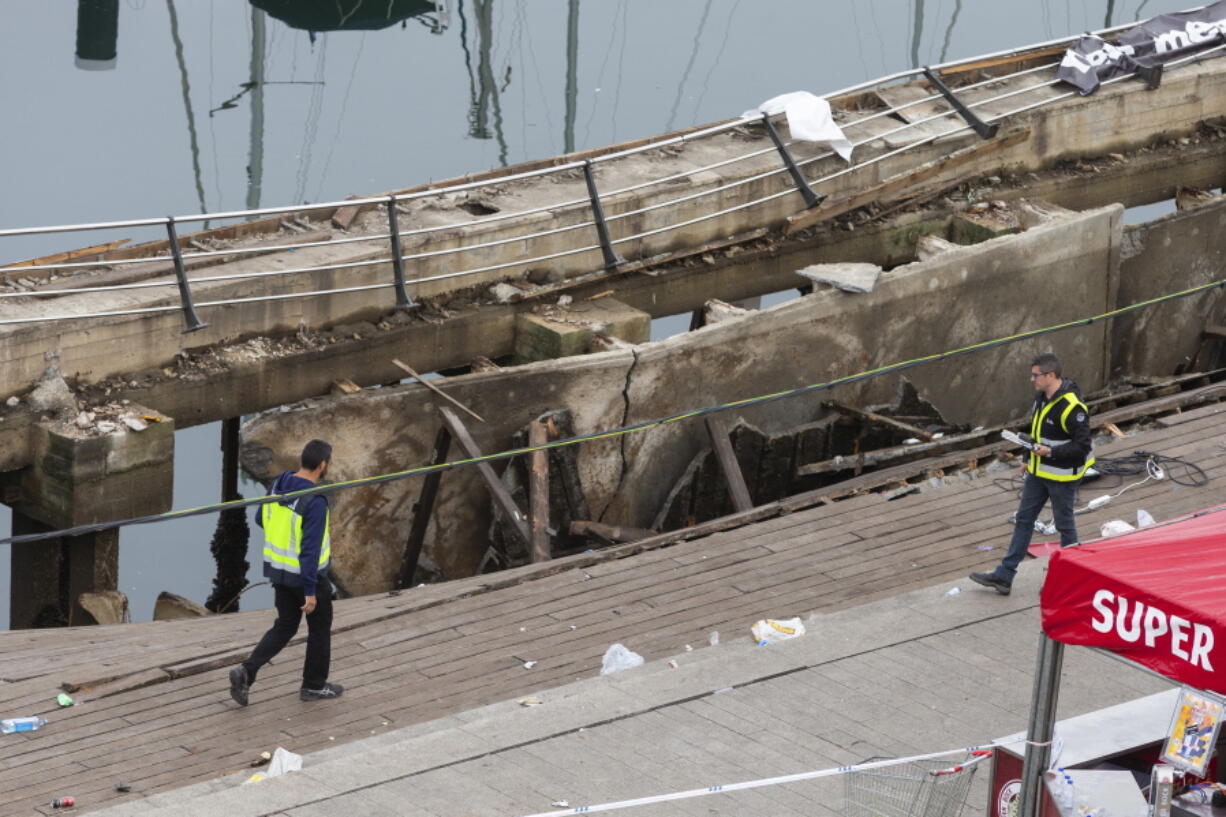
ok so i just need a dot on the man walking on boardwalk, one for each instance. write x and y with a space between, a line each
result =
1060 425
297 549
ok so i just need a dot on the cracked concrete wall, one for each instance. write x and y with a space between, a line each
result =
392 429
1056 271
1176 252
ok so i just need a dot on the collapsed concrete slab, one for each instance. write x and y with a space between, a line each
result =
1058 270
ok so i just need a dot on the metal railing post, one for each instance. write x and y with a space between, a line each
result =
802 185
980 127
190 318
403 301
611 259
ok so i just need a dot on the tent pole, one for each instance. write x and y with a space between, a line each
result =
1042 723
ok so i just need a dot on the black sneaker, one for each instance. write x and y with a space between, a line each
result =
989 580
326 691
239 685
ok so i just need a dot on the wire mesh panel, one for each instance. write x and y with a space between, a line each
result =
923 788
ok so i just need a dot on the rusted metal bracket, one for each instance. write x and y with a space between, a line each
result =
802 184
403 301
980 127
190 318
611 259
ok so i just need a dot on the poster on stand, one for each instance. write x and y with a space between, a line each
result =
1193 733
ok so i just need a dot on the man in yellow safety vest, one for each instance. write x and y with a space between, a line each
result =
297 550
1060 430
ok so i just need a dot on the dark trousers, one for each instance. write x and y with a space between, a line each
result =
1035 494
289 601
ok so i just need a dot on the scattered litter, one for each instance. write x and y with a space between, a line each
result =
953 591
63 700
133 422
284 761
565 300
560 804
722 691
12 401
809 119
1144 519
1115 527
911 441
688 648
938 435
523 629
10 725
529 702
713 638
123 788
63 802
672 664
573 627
529 664
986 547
771 631
618 658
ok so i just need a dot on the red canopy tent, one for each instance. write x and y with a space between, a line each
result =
1156 597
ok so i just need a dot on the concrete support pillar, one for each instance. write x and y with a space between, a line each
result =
107 471
51 574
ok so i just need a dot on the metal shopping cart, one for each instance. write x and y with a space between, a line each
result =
914 788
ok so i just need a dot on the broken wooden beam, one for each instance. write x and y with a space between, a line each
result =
733 478
608 534
502 498
406 367
896 184
538 492
881 419
422 511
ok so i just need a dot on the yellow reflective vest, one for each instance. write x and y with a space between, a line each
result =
1064 405
283 537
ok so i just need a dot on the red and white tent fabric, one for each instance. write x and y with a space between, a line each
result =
1156 597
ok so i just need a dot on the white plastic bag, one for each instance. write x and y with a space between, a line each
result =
770 631
618 658
1144 519
1115 527
809 119
282 761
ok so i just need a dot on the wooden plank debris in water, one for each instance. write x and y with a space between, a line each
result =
502 499
733 478
895 185
422 510
538 492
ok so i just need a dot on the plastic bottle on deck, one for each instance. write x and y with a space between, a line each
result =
10 725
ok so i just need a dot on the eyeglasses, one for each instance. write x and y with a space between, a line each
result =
1037 375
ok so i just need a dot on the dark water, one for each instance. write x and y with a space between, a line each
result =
219 105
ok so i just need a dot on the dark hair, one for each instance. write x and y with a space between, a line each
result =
1048 364
315 453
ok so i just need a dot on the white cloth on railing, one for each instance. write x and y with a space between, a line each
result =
809 119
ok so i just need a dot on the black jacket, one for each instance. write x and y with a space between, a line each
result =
1072 439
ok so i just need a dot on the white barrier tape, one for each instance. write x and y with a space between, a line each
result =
775 781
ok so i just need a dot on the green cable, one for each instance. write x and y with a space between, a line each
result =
622 430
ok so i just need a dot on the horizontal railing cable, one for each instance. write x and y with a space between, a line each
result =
638 236
553 231
757 400
573 165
